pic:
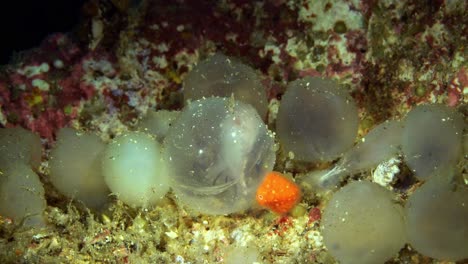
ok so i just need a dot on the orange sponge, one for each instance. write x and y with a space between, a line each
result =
278 193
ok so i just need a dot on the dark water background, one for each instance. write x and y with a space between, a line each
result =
24 24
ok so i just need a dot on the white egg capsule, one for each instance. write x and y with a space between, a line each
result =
134 169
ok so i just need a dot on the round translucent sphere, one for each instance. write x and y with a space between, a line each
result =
157 123
362 224
223 76
22 195
218 152
317 121
432 139
19 144
75 167
437 219
134 169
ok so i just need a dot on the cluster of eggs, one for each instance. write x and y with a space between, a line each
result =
21 191
217 154
365 223
214 153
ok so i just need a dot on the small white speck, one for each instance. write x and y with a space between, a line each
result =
58 64
172 234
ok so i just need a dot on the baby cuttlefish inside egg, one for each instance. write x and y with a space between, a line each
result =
219 151
239 136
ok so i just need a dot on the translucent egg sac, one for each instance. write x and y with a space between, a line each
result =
21 191
363 225
134 169
22 195
380 144
75 167
437 219
317 120
223 76
218 152
465 143
157 123
432 139
19 144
